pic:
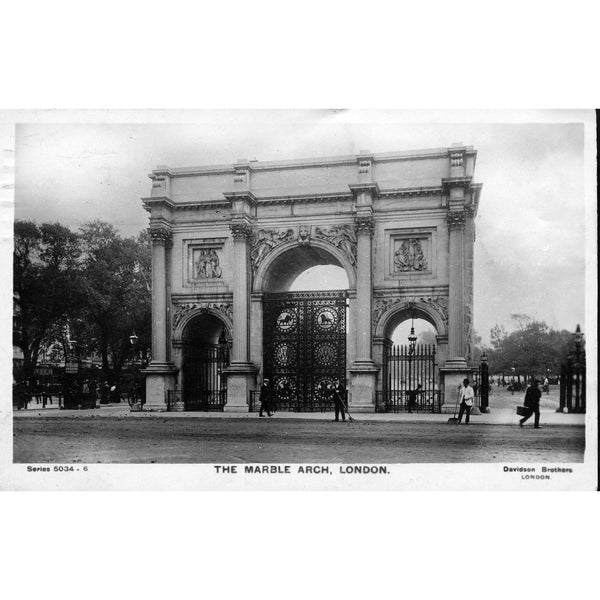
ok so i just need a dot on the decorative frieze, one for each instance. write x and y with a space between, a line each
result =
438 303
342 237
181 310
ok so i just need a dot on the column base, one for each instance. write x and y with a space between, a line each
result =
362 386
454 374
160 378
241 380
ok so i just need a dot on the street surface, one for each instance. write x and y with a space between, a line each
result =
279 440
113 434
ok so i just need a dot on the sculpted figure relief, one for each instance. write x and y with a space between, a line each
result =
342 237
410 256
265 240
207 264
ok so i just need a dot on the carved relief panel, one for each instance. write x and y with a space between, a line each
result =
410 252
203 261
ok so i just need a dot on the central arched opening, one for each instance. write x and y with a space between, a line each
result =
305 327
410 369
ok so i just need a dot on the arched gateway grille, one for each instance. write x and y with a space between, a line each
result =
304 347
409 380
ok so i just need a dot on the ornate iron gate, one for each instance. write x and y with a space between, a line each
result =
304 347
204 386
404 370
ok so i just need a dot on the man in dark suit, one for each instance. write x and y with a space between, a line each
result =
266 397
339 400
532 403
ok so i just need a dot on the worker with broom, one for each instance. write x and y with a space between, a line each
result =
466 396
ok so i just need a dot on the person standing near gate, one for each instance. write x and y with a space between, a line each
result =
466 395
412 397
339 399
532 403
266 397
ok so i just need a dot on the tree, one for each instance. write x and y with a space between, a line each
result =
46 275
533 349
116 276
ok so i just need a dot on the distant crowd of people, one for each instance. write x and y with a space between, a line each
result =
72 392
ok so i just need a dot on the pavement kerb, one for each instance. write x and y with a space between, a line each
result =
495 417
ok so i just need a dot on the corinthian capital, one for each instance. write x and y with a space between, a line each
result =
240 230
161 235
365 225
456 219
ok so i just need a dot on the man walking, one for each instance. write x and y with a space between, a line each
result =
266 397
532 403
466 395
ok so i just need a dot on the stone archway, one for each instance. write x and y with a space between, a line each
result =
401 224
410 378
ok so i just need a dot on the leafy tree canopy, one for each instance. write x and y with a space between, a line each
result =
533 349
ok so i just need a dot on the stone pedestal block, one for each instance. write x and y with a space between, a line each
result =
160 378
452 380
241 380
363 384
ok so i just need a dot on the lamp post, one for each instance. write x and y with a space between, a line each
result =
412 340
578 340
133 340
578 374
484 384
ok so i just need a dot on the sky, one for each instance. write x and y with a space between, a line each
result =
530 245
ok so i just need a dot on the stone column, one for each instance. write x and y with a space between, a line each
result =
455 368
456 300
241 372
363 370
364 291
160 373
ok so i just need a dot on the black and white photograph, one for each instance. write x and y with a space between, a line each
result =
300 300
284 299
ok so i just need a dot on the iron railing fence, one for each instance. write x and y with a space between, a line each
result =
396 401
294 404
572 387
205 400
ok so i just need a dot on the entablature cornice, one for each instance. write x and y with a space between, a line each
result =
204 297
407 292
409 192
351 159
454 182
151 202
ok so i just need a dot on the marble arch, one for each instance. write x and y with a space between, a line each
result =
401 224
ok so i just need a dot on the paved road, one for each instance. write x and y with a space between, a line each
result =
38 439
